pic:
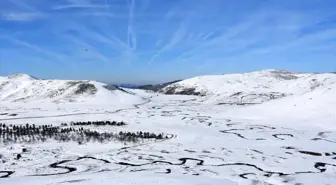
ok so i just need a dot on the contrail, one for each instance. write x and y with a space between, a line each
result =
131 39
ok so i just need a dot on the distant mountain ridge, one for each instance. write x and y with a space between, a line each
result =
150 87
129 86
244 88
25 88
21 76
254 87
156 87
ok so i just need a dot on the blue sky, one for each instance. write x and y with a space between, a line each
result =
149 41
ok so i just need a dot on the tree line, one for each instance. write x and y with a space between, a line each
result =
96 123
41 133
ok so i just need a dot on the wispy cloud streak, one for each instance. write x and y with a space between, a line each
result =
70 6
54 56
131 37
169 33
20 16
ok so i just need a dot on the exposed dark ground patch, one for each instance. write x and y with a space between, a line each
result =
310 153
288 147
231 124
168 171
156 87
239 104
6 174
266 173
239 135
320 166
257 151
245 174
69 169
263 126
322 139
229 132
183 161
322 134
74 181
185 91
190 151
84 88
277 136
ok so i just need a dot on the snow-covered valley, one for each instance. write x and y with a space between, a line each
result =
254 128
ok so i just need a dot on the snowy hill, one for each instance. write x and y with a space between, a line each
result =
25 88
62 131
21 77
255 87
156 87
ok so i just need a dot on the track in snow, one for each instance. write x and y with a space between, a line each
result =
136 106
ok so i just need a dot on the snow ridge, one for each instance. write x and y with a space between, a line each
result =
25 88
254 87
21 76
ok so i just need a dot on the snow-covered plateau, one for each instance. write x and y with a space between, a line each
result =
267 127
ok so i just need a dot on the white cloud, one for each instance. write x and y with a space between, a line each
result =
83 4
125 31
98 14
71 6
178 37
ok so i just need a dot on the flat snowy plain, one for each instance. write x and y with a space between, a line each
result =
291 140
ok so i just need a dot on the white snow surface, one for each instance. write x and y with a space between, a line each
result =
255 87
289 140
24 88
20 77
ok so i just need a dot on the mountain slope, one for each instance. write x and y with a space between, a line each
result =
24 88
21 77
255 87
316 107
156 87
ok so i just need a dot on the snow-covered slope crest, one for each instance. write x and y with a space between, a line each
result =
24 88
254 87
21 76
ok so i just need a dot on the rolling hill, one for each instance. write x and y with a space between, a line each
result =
25 88
251 88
